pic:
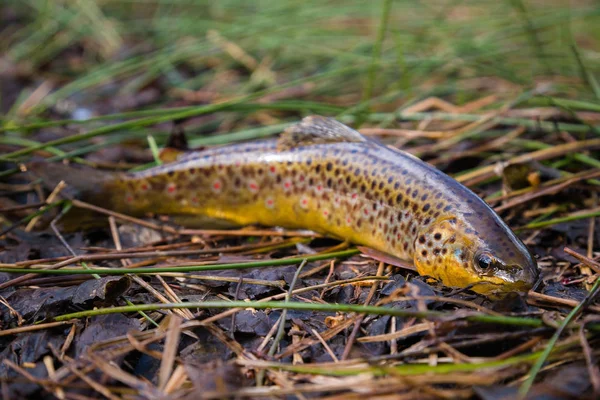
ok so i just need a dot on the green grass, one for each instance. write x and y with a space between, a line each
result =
267 63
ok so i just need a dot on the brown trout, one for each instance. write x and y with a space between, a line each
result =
324 176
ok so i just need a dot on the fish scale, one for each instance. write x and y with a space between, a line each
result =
324 176
339 189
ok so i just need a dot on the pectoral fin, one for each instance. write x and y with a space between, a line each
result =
386 258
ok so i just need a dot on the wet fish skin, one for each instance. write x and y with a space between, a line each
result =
324 176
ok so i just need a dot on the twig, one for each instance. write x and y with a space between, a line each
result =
594 265
170 351
61 185
62 239
281 328
360 319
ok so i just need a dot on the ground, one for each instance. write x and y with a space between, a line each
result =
503 96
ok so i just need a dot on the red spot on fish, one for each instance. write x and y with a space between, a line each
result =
144 186
217 185
287 184
325 213
270 203
272 169
366 211
171 188
319 188
253 186
348 220
301 178
354 196
304 202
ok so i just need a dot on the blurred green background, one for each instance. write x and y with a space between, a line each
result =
111 56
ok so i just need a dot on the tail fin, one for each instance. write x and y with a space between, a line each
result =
83 182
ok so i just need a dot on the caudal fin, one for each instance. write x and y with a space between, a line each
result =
82 182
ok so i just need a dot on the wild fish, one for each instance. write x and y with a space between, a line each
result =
324 176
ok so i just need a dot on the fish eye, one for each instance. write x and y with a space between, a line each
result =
484 261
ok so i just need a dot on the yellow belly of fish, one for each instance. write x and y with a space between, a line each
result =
303 212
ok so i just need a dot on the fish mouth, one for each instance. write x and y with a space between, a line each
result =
531 270
507 283
511 274
499 290
529 275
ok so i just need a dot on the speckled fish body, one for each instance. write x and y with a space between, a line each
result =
347 187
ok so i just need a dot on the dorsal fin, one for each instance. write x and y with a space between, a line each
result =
315 129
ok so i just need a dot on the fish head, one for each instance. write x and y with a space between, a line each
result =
458 254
